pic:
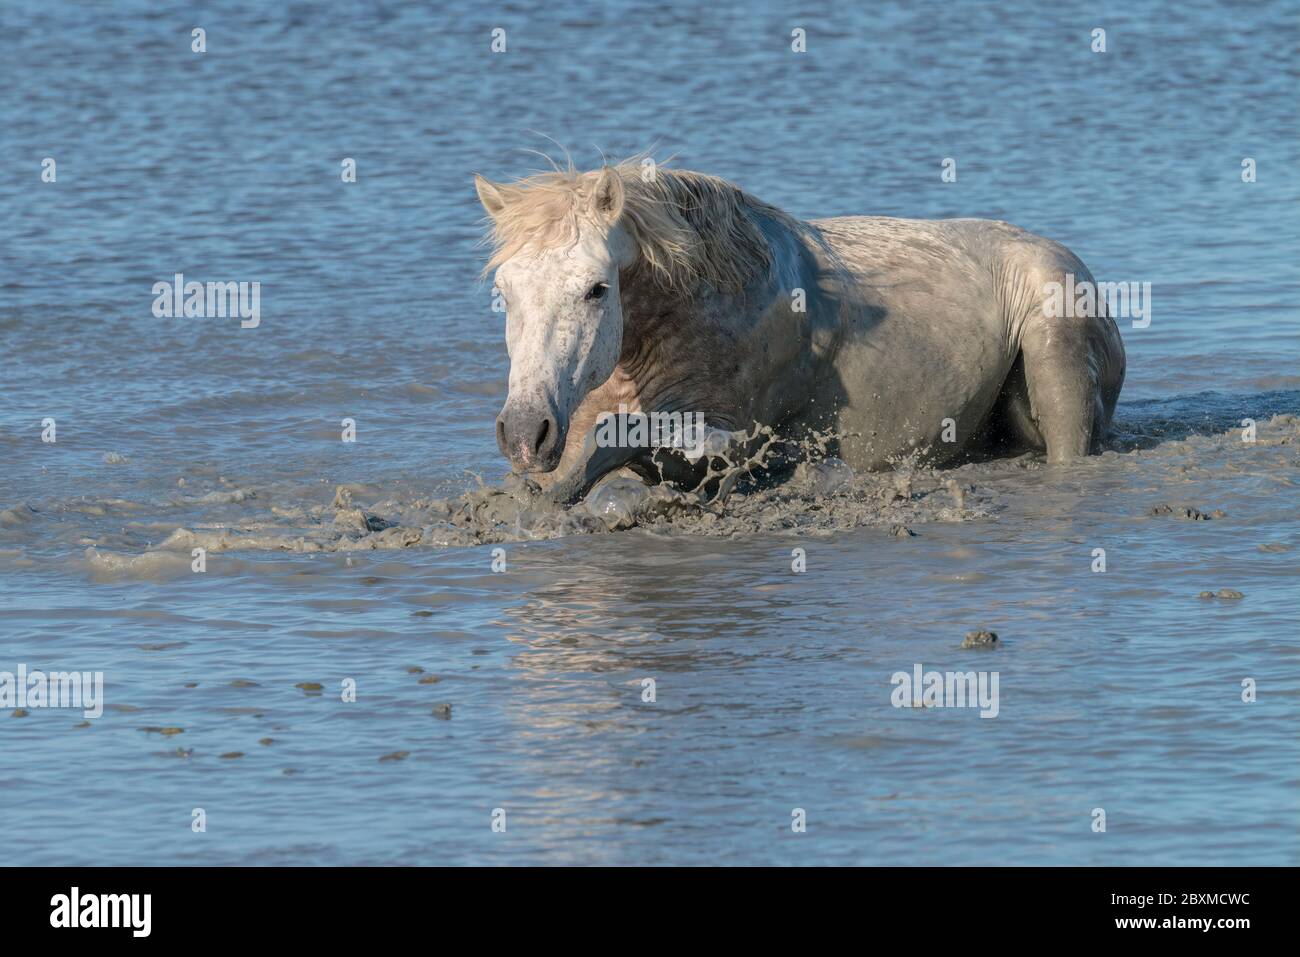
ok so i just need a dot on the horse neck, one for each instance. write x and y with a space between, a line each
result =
683 350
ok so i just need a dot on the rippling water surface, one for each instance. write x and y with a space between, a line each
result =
1119 690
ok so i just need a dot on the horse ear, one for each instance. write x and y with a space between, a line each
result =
607 197
490 195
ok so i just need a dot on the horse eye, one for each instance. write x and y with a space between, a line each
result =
596 292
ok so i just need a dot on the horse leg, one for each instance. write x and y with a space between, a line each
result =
1070 363
1063 394
569 486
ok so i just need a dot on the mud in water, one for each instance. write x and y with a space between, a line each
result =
156 539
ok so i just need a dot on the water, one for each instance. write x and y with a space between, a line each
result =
1119 690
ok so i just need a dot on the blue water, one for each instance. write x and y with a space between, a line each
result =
1119 691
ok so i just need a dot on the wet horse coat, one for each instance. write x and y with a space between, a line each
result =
680 292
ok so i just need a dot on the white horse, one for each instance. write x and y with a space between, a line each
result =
672 291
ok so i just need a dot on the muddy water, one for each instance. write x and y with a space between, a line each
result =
523 688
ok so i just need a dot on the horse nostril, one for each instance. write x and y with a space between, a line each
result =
528 438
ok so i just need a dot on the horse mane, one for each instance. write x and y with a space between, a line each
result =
689 227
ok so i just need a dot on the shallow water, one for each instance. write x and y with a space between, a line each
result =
1118 690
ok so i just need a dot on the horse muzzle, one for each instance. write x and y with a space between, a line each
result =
531 437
